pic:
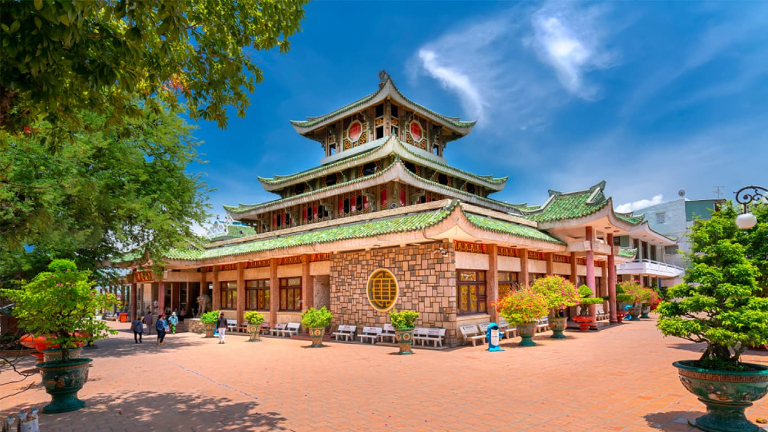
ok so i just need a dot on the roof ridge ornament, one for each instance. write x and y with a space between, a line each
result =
383 78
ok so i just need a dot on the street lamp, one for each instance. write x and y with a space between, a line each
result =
746 196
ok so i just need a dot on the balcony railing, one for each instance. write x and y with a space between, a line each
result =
659 263
648 266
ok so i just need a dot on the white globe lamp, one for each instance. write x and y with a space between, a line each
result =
746 221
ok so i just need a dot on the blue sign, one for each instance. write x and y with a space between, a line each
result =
493 337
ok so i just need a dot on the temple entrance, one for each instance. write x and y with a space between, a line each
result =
322 285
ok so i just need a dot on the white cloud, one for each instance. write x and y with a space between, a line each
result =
640 204
568 40
454 79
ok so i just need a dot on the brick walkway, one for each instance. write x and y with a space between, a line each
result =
619 379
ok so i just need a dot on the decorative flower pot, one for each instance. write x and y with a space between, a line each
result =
62 381
558 325
654 306
726 395
54 354
585 322
253 332
404 339
40 343
634 313
645 311
527 331
209 329
316 334
620 314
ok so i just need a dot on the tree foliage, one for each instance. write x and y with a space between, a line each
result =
60 304
718 303
59 57
314 318
523 306
559 292
113 190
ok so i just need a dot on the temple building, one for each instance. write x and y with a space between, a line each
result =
386 222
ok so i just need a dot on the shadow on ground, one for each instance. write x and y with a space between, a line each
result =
671 420
140 411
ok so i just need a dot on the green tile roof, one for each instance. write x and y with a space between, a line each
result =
503 227
233 232
630 218
312 121
627 252
571 205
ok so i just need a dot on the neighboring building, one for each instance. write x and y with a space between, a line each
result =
673 219
385 222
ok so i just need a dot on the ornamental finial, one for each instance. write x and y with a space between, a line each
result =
383 77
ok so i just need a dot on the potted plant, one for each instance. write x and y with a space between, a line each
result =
719 304
403 322
523 308
651 298
209 322
60 304
621 298
637 295
585 319
316 320
254 320
559 293
656 299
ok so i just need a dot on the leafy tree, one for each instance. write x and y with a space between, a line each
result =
755 241
717 304
522 306
559 292
59 57
587 299
61 304
115 189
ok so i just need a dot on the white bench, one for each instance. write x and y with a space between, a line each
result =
601 316
542 325
371 333
231 325
506 329
345 331
277 330
420 335
471 333
435 335
291 329
388 332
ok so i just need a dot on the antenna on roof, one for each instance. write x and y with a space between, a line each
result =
718 191
681 193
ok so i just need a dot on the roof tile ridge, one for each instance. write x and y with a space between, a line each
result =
489 178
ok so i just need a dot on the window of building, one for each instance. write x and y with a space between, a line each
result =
661 218
670 250
257 294
507 283
229 295
332 150
471 287
380 132
290 294
395 110
379 110
369 168
382 290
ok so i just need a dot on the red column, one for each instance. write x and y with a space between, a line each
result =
612 280
492 279
307 284
161 298
591 268
134 296
524 279
216 294
240 293
274 292
550 264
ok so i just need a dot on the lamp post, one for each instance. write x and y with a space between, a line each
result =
745 196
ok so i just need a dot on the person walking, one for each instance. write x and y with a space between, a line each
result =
221 326
161 327
149 321
172 321
138 330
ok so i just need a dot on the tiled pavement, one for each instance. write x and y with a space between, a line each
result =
619 379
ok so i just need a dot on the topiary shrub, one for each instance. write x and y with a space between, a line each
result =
253 317
315 318
717 304
585 301
210 317
403 320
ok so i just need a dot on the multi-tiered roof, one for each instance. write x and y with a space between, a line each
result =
384 181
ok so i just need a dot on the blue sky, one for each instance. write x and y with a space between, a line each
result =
653 97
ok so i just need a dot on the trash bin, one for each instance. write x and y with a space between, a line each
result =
493 337
123 317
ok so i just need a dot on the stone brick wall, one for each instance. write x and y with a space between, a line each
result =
426 280
322 290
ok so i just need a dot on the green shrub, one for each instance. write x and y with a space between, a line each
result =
60 304
254 318
403 320
210 317
315 318
559 292
523 306
586 300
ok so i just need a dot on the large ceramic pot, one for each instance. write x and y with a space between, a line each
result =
404 339
316 334
620 314
584 322
635 312
645 311
54 354
726 395
558 325
253 332
40 343
527 331
62 381
209 329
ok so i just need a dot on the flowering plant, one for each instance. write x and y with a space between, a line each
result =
60 304
636 292
522 306
560 293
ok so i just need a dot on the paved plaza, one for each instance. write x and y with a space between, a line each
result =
619 379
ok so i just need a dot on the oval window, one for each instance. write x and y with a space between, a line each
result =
355 130
416 132
382 290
